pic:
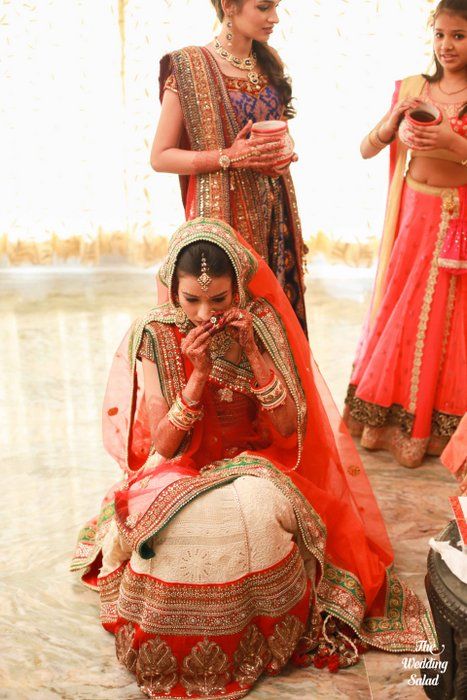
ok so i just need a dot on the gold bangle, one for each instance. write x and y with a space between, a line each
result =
271 396
376 141
181 416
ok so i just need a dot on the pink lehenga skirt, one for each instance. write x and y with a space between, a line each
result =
408 389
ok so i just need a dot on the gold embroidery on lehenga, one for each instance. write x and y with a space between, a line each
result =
283 641
449 311
251 657
205 670
124 647
183 609
156 668
449 209
444 424
378 416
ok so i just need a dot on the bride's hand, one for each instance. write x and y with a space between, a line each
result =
196 348
242 321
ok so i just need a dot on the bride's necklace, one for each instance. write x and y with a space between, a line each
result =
246 64
456 92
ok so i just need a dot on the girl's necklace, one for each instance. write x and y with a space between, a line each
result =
246 64
456 92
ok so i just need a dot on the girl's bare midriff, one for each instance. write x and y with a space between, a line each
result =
438 173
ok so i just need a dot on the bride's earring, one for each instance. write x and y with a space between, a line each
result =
181 320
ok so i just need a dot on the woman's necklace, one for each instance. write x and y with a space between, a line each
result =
456 92
247 64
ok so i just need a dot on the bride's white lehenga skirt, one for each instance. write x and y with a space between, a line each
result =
225 597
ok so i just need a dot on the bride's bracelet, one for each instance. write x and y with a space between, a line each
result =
182 416
271 396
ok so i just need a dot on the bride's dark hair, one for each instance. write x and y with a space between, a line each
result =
269 62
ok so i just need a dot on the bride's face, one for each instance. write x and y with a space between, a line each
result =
254 19
199 304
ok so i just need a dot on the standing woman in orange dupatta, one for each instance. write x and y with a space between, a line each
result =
211 96
408 389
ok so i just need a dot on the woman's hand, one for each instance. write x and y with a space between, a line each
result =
196 348
242 321
425 138
389 127
261 153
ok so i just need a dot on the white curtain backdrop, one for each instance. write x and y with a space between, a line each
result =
79 106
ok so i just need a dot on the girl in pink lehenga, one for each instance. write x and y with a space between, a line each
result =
408 389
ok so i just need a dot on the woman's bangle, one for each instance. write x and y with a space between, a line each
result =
376 141
272 395
181 416
189 403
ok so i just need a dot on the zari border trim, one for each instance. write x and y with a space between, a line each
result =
449 209
452 264
170 608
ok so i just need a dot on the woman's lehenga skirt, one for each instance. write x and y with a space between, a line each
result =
407 392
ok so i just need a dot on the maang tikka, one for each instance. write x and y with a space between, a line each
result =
204 280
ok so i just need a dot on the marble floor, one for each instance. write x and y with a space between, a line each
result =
58 331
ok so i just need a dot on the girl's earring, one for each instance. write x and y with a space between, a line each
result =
229 35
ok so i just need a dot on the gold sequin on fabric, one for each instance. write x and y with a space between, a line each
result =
449 210
449 311
205 670
444 424
156 668
377 416
251 657
284 640
161 609
244 85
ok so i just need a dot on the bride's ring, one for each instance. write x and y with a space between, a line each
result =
240 316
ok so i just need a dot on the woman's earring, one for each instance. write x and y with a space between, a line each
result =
229 35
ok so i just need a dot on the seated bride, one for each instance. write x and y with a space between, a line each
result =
244 533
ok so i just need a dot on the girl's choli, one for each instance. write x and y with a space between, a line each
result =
457 124
259 102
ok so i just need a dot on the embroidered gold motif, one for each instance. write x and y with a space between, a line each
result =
449 311
444 424
226 395
205 670
156 668
251 657
123 647
209 610
283 641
